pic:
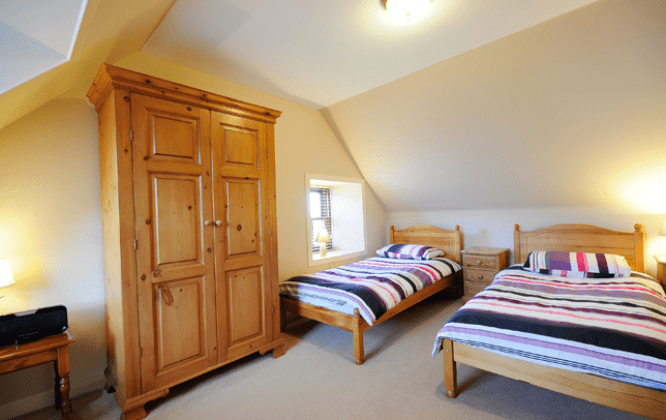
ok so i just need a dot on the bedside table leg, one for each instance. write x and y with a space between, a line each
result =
62 376
58 397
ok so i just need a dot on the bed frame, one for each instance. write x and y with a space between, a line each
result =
632 398
448 241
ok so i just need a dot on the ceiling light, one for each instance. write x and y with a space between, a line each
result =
406 10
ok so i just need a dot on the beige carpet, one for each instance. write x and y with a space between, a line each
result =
318 379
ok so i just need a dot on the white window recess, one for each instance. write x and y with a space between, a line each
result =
344 219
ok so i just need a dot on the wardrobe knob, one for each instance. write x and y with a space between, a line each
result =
218 223
206 222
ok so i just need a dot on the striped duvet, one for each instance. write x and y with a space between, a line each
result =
374 286
610 327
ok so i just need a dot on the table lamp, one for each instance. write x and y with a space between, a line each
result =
322 238
6 277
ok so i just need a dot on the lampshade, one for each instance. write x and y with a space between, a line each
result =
662 232
406 10
322 236
6 277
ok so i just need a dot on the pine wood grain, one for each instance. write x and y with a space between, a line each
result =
49 349
635 399
166 240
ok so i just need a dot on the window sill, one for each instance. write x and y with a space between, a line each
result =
334 256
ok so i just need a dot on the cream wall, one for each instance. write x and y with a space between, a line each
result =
50 222
563 122
51 232
570 112
495 227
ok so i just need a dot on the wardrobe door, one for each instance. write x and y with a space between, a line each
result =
242 242
174 232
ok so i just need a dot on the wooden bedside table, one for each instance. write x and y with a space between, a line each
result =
661 265
480 264
50 349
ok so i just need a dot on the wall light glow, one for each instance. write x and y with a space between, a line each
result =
642 188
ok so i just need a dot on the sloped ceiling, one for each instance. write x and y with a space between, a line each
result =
571 112
107 33
322 52
36 37
316 53
507 103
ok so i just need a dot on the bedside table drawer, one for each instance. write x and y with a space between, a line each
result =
472 289
480 261
478 276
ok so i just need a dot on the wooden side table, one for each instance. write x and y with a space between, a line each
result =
480 264
50 349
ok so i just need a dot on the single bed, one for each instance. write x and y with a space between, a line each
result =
448 241
495 352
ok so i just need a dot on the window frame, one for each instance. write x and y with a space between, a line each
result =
337 252
325 200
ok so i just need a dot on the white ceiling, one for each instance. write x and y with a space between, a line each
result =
321 52
36 36
454 111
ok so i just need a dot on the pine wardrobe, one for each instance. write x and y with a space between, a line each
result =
190 237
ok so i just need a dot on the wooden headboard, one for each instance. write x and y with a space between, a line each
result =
581 238
449 241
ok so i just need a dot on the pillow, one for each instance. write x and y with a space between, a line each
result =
577 264
410 252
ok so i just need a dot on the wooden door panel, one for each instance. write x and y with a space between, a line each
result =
240 169
175 261
243 219
180 322
248 311
177 210
241 146
246 304
173 136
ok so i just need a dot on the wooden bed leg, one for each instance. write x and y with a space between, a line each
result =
283 317
450 374
358 338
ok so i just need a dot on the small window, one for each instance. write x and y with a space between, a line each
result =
337 205
320 215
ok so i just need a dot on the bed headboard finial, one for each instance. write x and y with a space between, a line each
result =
516 226
458 227
639 237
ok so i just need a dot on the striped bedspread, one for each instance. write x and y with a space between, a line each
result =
610 327
373 286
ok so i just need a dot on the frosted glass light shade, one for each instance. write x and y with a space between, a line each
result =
6 277
662 232
406 10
